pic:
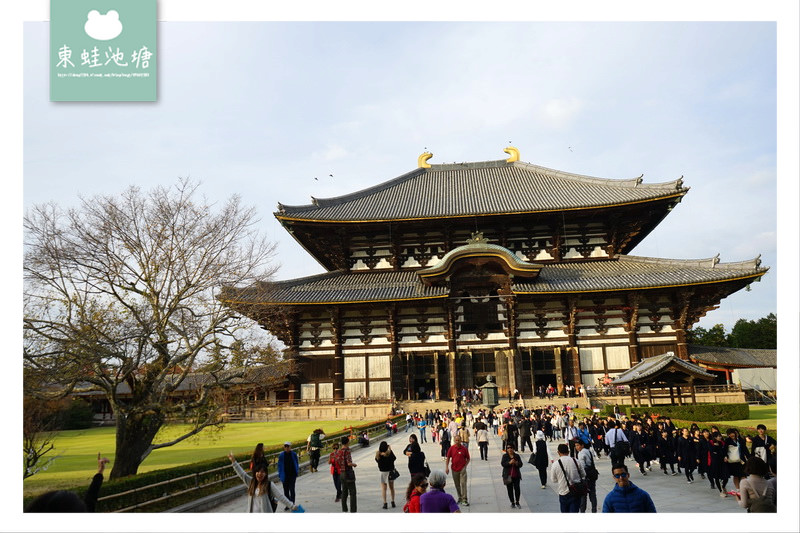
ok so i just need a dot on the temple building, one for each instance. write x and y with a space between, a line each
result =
454 272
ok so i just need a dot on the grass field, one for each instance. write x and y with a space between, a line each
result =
759 414
77 450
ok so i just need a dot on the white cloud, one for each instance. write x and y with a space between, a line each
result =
331 153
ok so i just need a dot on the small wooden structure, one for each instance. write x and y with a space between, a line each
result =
662 376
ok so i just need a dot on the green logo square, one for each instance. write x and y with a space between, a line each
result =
103 50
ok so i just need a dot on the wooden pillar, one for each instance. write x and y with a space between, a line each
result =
671 396
632 326
512 369
410 389
680 399
451 370
338 355
649 396
633 396
691 384
559 384
436 390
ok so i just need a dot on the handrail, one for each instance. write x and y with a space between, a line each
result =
272 458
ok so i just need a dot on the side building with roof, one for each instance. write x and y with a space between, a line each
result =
451 273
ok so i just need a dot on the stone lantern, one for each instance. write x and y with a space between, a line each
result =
489 390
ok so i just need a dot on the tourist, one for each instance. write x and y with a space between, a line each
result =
258 456
260 490
416 488
764 447
416 458
458 454
685 450
736 455
585 459
422 424
64 501
385 458
717 466
525 434
564 472
618 443
314 448
482 436
463 433
542 458
511 463
754 486
409 421
444 439
510 434
288 470
626 497
640 441
363 439
347 476
436 500
335 472
666 453
571 436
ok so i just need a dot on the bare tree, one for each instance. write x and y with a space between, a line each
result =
37 435
121 296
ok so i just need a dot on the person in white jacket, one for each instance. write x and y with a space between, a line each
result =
260 490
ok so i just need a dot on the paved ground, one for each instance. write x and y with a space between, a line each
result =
487 494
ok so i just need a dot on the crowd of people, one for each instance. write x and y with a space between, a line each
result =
719 457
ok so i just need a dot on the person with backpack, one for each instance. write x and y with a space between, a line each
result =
262 495
618 443
314 448
569 476
585 459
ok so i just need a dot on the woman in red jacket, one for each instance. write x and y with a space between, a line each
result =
418 485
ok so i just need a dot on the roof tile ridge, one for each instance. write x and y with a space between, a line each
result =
633 183
338 200
710 262
306 279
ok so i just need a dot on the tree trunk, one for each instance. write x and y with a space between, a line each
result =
135 434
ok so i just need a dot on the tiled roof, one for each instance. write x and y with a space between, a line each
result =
626 272
650 367
633 272
468 189
734 357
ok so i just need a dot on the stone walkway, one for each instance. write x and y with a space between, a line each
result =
487 494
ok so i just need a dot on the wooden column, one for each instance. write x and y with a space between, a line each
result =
671 396
632 326
451 369
293 332
338 355
633 396
691 385
412 393
649 396
681 323
436 375
680 399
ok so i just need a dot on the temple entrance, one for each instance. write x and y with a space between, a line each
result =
423 387
544 380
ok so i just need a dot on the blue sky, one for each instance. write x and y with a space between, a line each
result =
261 109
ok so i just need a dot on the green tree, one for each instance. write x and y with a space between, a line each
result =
121 294
707 337
761 333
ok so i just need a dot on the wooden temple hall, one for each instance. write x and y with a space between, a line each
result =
450 273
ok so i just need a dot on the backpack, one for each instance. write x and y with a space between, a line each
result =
316 442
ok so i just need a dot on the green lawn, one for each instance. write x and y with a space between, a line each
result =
759 414
77 450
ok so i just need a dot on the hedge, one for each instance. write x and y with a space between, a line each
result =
701 412
117 486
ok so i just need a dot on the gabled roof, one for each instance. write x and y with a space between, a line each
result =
481 188
650 368
734 357
622 273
